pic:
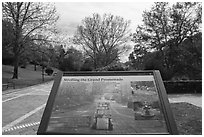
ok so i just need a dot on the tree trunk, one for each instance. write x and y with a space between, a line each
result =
16 63
95 61
35 67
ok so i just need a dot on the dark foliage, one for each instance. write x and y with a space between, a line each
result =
170 40
88 65
71 60
7 61
49 71
181 87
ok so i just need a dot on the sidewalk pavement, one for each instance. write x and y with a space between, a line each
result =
195 99
9 91
22 109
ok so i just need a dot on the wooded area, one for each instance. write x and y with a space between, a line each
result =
169 40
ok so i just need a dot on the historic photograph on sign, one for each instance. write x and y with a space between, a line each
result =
107 105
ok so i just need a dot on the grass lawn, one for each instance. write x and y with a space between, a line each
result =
26 77
188 118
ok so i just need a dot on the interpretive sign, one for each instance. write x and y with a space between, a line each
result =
108 103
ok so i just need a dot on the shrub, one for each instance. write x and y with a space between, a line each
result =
23 66
49 71
190 86
7 60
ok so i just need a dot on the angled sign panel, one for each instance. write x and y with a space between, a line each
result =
108 103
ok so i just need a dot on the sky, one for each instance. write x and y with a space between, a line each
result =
72 13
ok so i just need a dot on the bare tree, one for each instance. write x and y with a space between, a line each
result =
29 19
103 38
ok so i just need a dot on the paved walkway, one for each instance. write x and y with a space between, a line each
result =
22 110
195 99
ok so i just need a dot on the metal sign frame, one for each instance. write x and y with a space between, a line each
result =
165 106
